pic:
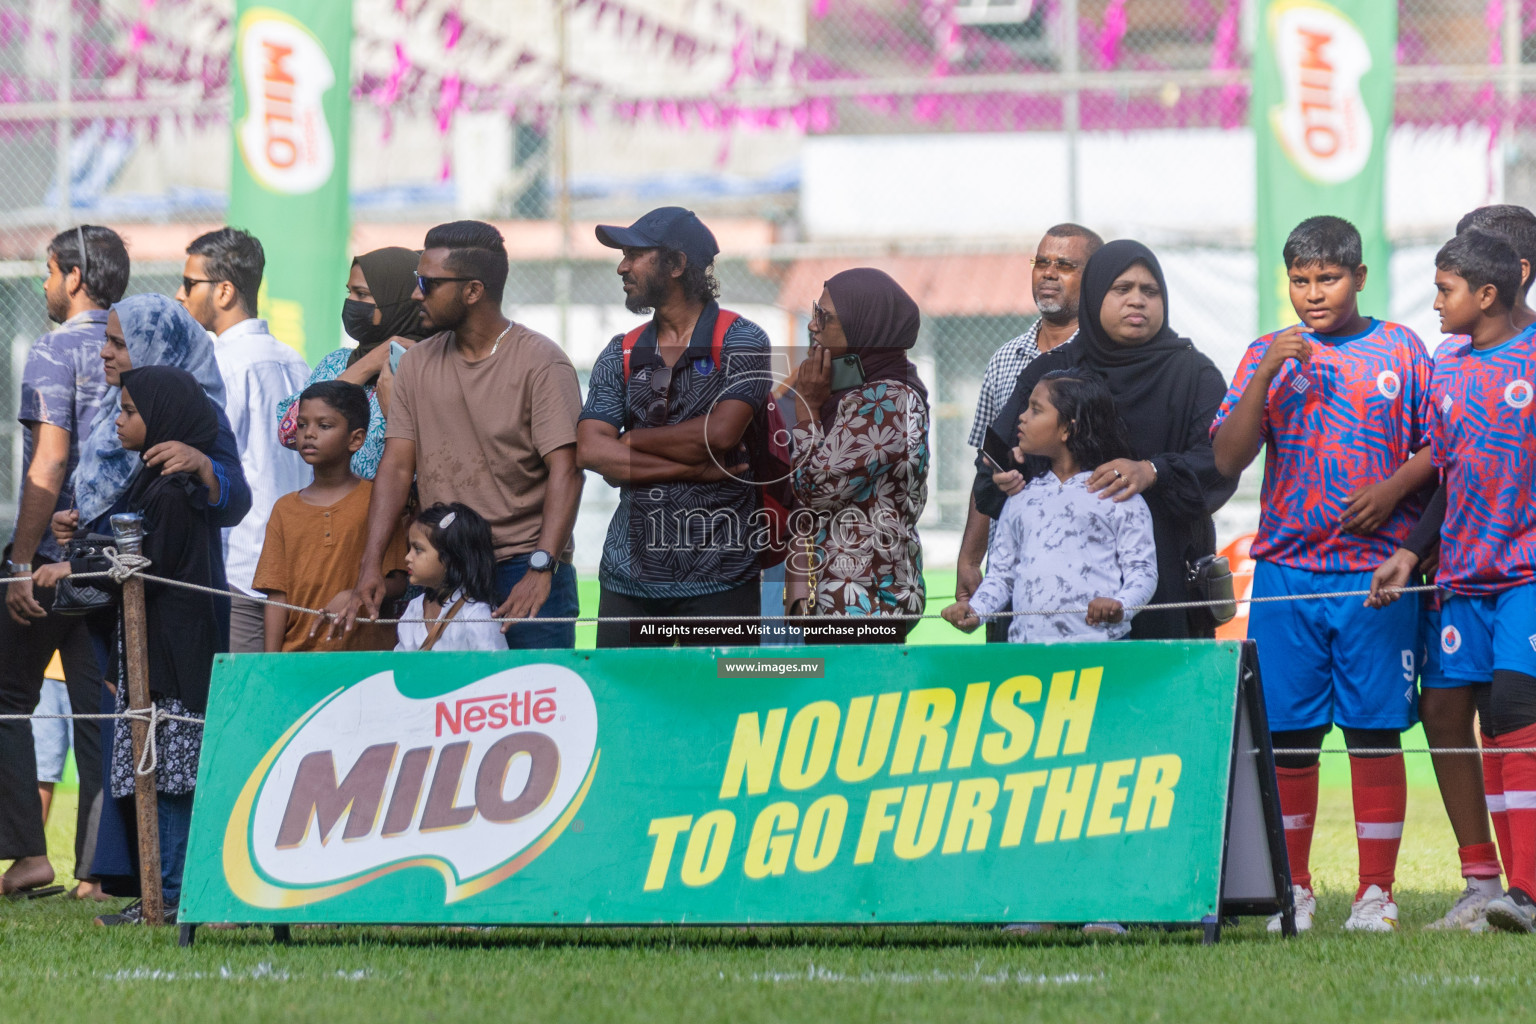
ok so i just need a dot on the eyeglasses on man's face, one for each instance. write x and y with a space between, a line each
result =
1058 264
188 283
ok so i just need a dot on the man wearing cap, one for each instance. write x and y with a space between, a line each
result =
666 410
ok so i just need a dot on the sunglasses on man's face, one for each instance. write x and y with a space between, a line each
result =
426 284
1061 266
188 283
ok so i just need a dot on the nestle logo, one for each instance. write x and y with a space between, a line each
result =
495 711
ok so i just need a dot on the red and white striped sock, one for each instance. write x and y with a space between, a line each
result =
1380 787
1520 802
1298 806
1493 791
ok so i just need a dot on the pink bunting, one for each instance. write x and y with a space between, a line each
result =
447 103
1115 26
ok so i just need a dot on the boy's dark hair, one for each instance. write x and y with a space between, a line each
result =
698 280
475 250
1324 240
104 265
236 256
464 545
345 397
1515 223
1083 402
1070 230
1483 257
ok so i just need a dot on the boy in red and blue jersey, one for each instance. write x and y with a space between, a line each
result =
1483 440
1340 403
1447 704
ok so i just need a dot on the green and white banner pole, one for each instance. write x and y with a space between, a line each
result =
288 178
1323 80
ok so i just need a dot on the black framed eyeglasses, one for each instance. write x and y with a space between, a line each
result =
1060 265
820 317
426 284
188 283
661 396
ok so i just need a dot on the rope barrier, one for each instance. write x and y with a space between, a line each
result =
1384 751
152 716
129 565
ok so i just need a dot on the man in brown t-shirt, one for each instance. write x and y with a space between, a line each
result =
484 412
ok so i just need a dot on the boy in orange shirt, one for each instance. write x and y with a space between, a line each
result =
316 535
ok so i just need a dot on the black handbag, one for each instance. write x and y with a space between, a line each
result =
1210 579
77 597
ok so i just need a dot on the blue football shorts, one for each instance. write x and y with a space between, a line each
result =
1333 661
1493 631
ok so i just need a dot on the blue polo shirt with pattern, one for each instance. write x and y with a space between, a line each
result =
682 539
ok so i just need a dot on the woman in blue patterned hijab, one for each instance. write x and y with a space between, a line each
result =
157 332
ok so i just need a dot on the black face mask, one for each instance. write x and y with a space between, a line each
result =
357 318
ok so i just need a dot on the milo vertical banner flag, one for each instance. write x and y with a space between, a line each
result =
1322 104
289 174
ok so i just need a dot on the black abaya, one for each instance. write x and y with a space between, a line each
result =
1167 392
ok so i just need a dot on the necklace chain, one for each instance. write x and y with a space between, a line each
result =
496 344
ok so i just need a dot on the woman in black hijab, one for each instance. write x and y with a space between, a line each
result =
378 310
861 458
1167 393
159 404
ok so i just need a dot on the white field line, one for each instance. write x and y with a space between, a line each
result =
822 975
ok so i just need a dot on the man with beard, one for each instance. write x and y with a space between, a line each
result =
484 412
1057 276
666 410
62 389
219 284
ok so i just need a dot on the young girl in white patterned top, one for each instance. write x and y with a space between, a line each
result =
1058 545
449 556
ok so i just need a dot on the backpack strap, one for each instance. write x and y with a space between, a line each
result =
630 340
723 322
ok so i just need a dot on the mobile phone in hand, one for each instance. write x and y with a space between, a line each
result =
847 372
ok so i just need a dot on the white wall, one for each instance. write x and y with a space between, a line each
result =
1158 185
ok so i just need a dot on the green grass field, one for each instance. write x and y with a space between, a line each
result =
55 966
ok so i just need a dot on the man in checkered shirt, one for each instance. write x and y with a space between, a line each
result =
1057 276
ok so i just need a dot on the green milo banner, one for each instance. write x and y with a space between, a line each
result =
1322 104
1066 782
288 178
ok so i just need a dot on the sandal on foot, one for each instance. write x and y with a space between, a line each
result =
34 892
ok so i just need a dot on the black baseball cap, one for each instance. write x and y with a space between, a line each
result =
670 227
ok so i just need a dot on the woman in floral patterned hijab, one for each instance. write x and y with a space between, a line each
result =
860 465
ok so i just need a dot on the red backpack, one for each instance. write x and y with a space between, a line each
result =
768 452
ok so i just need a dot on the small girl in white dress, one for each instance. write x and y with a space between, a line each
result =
449 555
1057 544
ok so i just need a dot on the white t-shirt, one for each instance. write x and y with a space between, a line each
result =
462 633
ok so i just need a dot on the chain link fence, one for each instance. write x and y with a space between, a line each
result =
934 138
